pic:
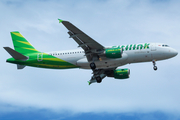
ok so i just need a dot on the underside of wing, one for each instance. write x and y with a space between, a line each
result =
90 46
100 74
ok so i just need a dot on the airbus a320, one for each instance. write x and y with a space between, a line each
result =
103 61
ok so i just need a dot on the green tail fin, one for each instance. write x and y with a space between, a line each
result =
21 45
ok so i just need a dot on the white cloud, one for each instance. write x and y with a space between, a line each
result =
110 23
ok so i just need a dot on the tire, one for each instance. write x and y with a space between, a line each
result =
155 67
98 79
93 66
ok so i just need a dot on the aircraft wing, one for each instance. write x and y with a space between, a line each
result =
102 73
90 46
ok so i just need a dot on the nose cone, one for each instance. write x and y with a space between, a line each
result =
173 52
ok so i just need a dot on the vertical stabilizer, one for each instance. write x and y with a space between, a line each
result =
21 45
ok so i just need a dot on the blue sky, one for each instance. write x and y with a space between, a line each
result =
34 93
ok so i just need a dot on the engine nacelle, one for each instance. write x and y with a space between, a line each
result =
113 53
121 73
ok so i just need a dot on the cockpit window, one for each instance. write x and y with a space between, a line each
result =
165 45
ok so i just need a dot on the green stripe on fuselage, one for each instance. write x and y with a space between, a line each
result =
43 60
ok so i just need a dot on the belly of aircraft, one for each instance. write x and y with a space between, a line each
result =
103 63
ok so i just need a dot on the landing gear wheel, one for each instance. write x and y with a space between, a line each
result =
93 66
98 79
155 67
154 64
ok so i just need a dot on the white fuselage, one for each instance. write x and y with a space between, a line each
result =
135 54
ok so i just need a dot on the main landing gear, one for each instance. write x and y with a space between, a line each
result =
154 64
98 79
93 67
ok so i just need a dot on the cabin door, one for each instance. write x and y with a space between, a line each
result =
40 57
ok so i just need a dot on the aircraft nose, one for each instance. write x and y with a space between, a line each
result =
173 52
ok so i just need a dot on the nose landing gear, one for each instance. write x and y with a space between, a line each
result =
154 64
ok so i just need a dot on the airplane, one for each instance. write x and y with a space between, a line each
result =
103 61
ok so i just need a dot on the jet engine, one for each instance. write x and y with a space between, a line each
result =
121 73
113 53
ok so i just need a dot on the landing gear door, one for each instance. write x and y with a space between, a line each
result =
153 47
40 57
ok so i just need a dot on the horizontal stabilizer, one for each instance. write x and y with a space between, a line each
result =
20 66
16 55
